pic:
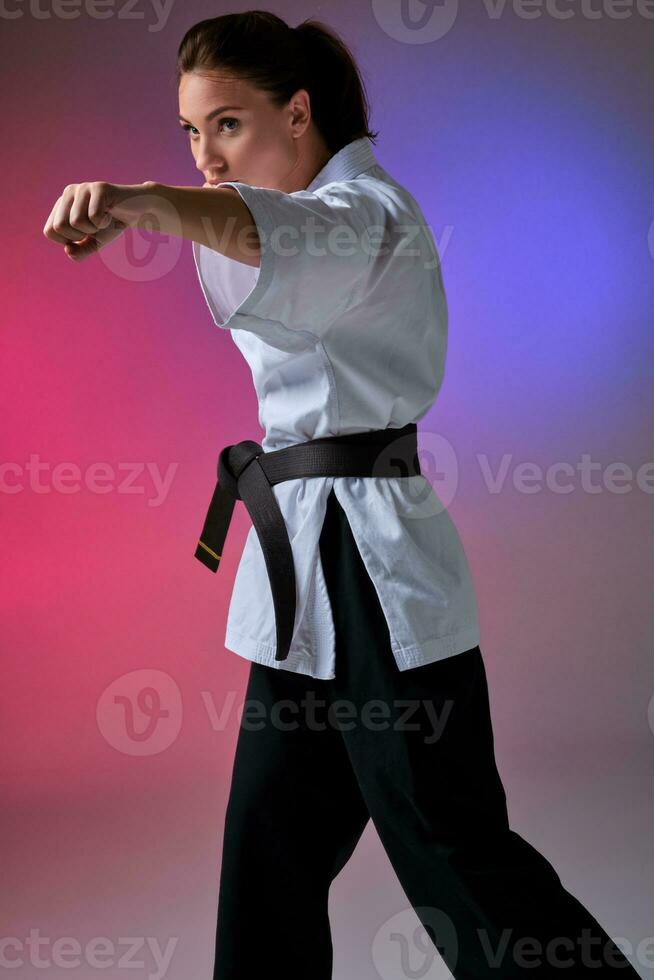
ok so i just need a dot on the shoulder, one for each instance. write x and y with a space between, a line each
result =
386 216
375 197
364 192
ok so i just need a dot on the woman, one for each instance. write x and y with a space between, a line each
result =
353 591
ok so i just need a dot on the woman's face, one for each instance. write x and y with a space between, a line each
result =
236 133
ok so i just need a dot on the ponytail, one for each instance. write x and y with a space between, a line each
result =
264 50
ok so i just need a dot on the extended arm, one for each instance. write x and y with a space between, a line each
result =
89 215
216 217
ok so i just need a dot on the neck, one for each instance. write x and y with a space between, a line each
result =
313 154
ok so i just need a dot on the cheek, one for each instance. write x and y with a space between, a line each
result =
275 155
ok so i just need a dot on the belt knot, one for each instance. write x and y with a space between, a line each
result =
232 462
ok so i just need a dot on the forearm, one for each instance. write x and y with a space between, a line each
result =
215 217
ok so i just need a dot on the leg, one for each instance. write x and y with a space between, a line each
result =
433 791
293 818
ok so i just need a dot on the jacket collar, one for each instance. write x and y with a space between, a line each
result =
351 160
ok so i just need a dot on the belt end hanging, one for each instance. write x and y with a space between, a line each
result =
207 556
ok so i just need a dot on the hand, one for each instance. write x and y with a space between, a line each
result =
85 217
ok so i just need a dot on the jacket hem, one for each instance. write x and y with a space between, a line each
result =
437 648
302 662
297 661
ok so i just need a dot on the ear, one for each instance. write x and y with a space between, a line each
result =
300 112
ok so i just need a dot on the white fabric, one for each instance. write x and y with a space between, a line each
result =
340 343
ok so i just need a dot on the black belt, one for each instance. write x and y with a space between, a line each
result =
246 473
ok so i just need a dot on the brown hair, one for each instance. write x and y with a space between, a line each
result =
264 50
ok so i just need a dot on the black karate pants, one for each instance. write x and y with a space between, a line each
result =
307 777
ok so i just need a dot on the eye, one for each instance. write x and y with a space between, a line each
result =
225 119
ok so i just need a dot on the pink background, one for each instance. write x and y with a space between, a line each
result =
530 146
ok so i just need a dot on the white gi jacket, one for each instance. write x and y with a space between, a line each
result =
344 333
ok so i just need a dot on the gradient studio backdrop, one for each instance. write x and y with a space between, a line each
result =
529 142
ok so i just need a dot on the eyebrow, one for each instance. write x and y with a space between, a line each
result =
214 112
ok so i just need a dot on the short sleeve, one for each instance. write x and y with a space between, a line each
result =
316 252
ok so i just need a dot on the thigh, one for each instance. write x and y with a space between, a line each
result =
423 750
293 793
442 746
423 737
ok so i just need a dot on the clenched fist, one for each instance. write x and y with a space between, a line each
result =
89 215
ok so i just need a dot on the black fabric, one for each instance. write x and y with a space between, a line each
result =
305 783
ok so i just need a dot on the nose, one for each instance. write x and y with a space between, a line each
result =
211 166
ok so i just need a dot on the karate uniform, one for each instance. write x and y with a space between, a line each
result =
385 620
340 343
